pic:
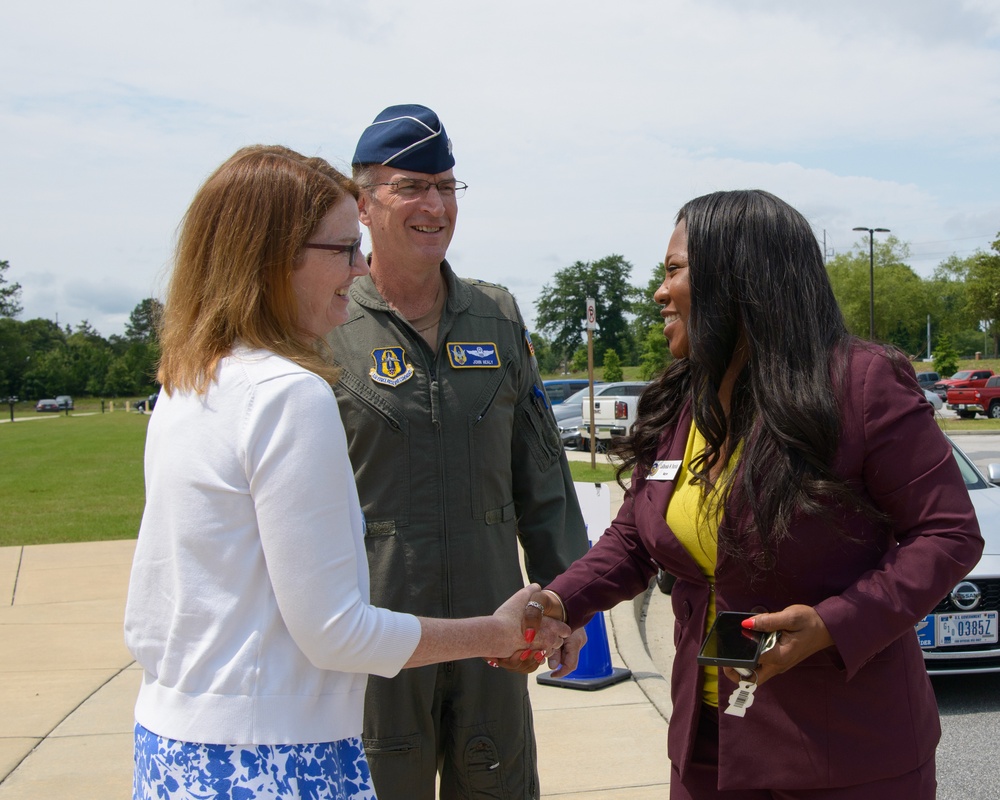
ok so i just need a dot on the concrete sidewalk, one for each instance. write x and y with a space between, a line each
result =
68 685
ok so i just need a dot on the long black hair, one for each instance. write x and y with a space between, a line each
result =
757 282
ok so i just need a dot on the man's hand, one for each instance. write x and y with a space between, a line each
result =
565 660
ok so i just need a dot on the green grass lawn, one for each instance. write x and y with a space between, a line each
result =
80 478
582 473
978 425
71 479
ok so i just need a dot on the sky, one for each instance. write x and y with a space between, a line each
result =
581 127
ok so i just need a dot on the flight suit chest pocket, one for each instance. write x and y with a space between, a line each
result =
491 427
538 429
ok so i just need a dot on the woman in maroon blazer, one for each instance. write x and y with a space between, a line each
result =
825 501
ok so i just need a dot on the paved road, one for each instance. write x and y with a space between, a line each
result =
49 416
967 765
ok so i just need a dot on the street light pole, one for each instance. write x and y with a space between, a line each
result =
871 277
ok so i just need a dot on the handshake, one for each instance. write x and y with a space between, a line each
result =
534 618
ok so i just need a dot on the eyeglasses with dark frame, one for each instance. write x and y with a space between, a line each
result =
417 187
351 249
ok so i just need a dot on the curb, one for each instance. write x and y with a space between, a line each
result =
627 624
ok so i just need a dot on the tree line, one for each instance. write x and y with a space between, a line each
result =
961 299
961 302
39 358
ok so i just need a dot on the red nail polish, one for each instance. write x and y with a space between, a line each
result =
529 635
747 623
539 656
525 654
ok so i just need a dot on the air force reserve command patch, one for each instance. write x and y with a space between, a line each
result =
390 367
464 355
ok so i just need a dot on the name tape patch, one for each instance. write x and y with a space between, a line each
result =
473 355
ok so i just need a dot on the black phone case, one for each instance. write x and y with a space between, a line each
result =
729 645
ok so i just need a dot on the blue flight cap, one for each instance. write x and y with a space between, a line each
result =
408 137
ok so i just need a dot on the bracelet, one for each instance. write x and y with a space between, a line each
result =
558 599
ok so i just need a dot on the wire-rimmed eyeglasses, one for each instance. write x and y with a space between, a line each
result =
351 249
417 187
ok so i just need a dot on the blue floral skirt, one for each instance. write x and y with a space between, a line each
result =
166 769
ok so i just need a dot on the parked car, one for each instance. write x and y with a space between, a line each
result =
933 399
927 379
65 402
148 404
48 404
569 416
559 390
967 378
614 414
960 635
967 402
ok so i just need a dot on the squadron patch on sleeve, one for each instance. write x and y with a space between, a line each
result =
466 355
390 367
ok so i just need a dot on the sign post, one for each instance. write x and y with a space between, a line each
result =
591 324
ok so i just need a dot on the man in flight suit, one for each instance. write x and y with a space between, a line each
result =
457 458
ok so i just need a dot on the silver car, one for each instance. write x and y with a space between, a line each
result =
569 416
960 634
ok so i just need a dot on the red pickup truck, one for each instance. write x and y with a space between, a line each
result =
966 379
968 401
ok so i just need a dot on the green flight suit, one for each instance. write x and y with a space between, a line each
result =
456 456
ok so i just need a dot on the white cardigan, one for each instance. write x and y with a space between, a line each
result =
248 606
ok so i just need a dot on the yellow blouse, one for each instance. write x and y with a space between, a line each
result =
694 520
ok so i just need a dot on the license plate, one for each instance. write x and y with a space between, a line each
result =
960 407
956 630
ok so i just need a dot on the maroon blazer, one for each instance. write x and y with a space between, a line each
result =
862 710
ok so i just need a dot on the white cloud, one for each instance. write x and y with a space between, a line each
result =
581 126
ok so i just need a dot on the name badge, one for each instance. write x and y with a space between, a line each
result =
663 471
471 355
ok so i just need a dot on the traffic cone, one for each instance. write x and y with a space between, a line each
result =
594 670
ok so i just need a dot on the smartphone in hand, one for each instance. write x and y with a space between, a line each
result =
728 644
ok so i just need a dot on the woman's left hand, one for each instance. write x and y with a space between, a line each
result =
803 633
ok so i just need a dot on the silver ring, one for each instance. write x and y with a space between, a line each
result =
536 604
